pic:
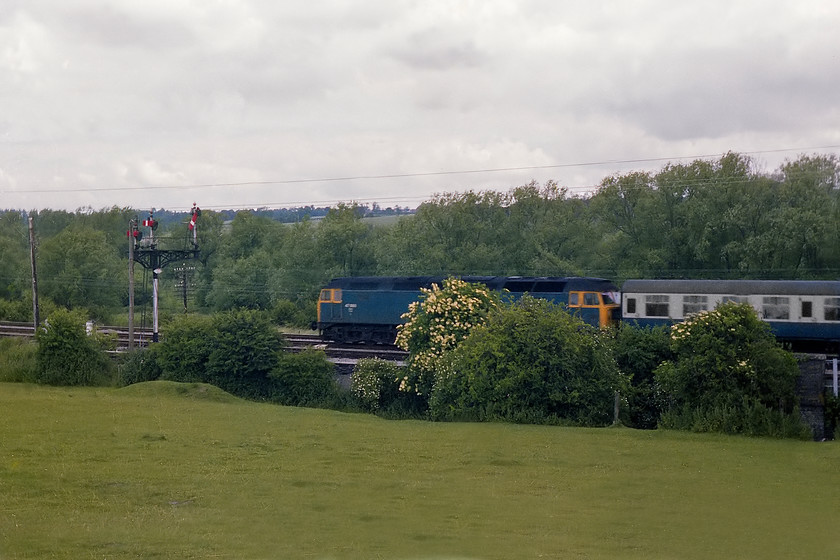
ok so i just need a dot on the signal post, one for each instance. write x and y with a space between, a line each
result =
150 256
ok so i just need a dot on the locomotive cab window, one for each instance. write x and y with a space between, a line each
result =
573 298
832 309
331 296
590 299
657 306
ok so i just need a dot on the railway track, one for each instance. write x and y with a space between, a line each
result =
340 354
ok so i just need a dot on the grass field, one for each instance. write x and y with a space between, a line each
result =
164 470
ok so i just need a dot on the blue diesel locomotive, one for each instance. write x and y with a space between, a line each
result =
368 309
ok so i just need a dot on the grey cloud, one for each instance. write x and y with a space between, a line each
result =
432 50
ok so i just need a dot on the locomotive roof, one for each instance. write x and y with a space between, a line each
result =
534 284
733 287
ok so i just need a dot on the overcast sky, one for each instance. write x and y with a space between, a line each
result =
162 103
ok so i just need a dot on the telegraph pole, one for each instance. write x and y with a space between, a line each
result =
132 239
35 310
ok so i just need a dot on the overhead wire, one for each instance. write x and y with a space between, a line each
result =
419 174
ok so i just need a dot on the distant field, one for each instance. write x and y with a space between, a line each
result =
164 470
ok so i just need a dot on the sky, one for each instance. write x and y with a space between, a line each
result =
236 104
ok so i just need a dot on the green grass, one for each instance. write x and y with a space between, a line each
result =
166 470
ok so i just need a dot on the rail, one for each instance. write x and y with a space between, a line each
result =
142 336
340 354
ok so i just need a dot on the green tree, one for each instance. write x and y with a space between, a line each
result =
77 269
242 271
343 242
15 272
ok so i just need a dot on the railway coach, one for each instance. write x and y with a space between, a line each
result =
803 313
368 309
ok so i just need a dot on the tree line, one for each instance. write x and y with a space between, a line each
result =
722 218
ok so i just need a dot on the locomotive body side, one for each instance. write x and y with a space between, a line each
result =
368 309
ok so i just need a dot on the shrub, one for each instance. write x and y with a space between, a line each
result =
235 351
749 417
638 352
18 360
305 378
245 349
288 313
138 366
832 413
532 362
726 366
376 385
66 355
436 324
185 347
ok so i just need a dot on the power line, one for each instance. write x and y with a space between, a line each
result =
420 174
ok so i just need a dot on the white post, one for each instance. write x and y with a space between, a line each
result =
155 305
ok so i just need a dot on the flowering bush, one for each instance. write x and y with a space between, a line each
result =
371 379
436 324
726 363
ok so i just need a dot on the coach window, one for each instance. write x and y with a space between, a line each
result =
631 305
656 306
735 299
832 309
590 299
776 308
807 309
695 304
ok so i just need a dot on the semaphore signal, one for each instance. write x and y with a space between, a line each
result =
147 253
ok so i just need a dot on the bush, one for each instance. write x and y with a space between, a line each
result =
235 351
305 378
726 368
532 362
245 350
749 417
66 355
288 313
138 366
638 352
18 360
376 385
185 347
436 324
831 410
